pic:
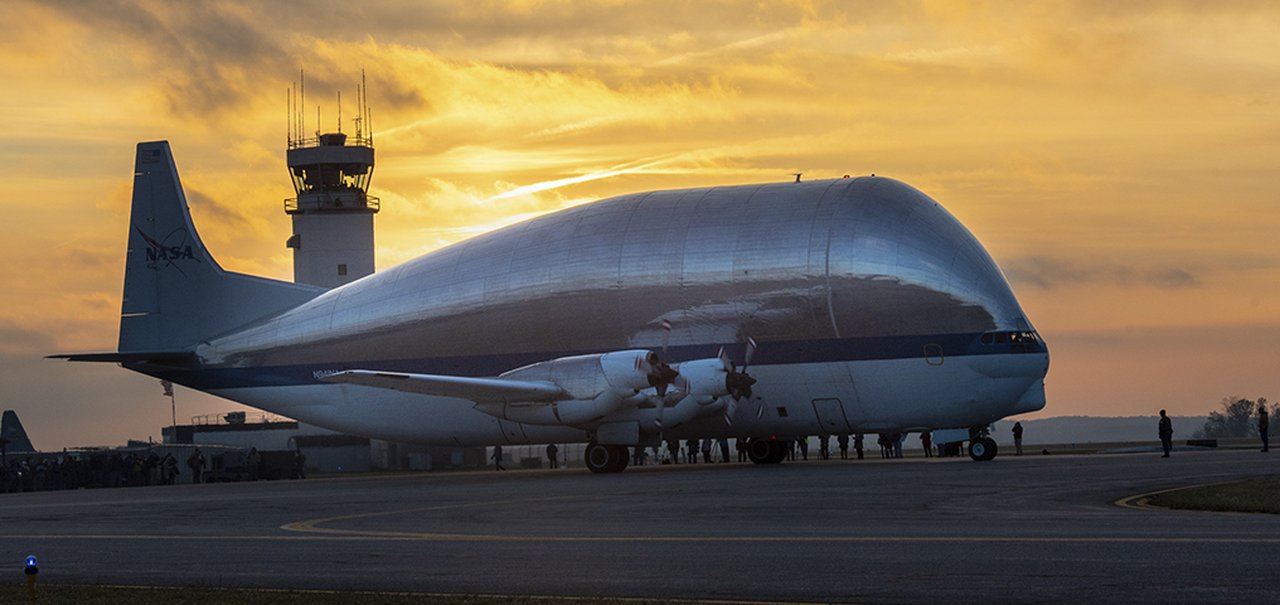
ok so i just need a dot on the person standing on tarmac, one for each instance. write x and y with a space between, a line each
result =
299 464
1264 423
1017 438
843 440
196 463
553 455
1166 433
857 444
497 458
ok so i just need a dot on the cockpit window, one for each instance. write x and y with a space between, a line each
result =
1022 337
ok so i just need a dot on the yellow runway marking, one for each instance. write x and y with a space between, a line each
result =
1142 501
313 527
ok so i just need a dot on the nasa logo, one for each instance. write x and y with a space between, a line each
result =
175 246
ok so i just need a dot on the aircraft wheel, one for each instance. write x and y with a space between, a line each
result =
605 458
778 451
983 449
621 457
760 451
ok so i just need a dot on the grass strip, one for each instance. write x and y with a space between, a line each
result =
1258 495
69 594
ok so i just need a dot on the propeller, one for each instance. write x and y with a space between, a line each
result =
736 381
659 373
662 375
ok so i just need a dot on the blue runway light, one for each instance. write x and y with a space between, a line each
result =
32 570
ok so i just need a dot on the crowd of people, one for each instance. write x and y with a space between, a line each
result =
96 469
703 451
65 471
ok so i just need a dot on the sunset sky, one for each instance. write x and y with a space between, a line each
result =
1120 160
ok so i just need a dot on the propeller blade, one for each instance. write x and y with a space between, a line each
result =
751 352
666 336
730 409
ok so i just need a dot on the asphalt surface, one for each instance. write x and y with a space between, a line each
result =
1031 529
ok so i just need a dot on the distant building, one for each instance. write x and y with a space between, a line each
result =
326 451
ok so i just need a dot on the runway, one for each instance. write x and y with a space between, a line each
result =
1018 529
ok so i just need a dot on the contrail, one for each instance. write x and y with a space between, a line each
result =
621 169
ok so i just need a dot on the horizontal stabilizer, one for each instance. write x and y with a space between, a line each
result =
170 357
479 390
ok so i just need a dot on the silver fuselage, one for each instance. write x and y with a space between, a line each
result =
860 291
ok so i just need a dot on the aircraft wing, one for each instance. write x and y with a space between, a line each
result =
128 357
479 390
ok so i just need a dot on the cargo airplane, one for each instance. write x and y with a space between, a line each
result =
762 312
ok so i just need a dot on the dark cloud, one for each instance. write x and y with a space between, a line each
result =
16 340
205 57
222 213
1048 273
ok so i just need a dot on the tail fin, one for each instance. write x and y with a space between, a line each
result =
11 432
175 294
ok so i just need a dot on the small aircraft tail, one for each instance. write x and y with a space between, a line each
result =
14 436
175 294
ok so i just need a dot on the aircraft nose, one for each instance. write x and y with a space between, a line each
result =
1032 400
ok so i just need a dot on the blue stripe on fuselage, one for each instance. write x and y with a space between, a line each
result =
769 353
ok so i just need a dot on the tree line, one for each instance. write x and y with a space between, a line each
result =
1236 417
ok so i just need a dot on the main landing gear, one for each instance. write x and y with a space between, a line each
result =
606 458
767 451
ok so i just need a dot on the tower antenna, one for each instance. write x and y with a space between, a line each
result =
302 106
339 111
368 117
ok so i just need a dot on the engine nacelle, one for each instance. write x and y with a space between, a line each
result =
587 376
595 386
704 379
701 384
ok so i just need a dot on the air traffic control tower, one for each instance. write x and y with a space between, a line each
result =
333 212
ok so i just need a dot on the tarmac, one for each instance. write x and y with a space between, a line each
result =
1042 529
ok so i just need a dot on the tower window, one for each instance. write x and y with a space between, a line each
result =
342 269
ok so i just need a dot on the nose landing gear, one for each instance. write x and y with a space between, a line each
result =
983 448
